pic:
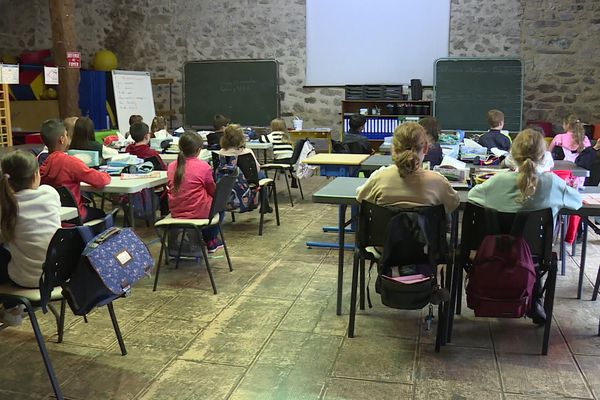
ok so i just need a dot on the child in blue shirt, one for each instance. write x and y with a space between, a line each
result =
494 137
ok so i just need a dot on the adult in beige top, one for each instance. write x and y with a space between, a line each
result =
406 183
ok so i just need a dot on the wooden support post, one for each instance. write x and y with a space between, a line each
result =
64 38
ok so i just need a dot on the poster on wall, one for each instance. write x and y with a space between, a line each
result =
9 74
51 75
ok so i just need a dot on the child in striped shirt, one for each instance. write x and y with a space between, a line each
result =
282 148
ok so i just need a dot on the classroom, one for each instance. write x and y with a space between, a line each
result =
414 162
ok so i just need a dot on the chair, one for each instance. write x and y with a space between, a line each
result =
373 232
68 200
287 166
64 252
247 164
219 205
536 227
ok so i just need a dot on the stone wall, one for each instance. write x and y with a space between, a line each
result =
556 39
561 49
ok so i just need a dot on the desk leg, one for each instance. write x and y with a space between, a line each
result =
341 237
265 155
131 211
582 262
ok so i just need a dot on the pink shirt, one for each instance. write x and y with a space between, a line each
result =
565 140
195 194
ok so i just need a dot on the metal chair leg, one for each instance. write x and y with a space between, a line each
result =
208 269
287 183
225 248
115 324
261 211
276 204
42 346
180 248
61 322
300 187
162 245
352 316
362 284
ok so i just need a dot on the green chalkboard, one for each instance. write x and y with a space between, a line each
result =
466 88
247 91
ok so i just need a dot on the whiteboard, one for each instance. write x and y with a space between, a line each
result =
374 42
133 95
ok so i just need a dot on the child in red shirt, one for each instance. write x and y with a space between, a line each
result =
140 133
191 187
61 169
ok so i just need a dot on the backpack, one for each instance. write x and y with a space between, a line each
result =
302 170
501 281
109 265
407 273
243 198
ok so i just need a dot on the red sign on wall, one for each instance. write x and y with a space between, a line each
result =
73 59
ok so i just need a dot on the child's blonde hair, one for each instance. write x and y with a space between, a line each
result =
70 125
278 125
410 139
495 118
528 150
18 170
233 137
574 125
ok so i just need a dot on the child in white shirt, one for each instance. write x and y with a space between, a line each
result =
30 215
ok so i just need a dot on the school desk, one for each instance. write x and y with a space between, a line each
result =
377 161
255 145
129 187
334 164
317 133
67 213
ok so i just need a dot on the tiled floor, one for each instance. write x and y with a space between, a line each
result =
272 333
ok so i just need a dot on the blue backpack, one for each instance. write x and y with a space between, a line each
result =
243 198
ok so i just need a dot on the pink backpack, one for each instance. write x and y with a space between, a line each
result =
501 281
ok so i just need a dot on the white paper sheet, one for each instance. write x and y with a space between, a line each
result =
51 75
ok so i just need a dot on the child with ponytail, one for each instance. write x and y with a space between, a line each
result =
406 183
191 187
29 217
573 141
527 189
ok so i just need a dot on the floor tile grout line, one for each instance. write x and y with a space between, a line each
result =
496 361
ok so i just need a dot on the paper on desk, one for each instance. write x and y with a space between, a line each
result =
179 130
472 144
448 161
497 152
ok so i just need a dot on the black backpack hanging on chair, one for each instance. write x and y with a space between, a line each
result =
407 273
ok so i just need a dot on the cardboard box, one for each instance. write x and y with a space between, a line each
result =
28 115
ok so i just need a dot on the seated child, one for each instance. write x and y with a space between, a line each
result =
191 187
158 128
573 141
233 143
405 183
84 137
29 217
495 137
61 169
282 148
527 189
434 155
69 123
354 139
214 139
140 133
133 119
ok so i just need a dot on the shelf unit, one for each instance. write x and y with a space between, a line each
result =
383 116
5 126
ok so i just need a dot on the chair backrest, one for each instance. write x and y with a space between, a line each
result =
536 227
247 164
357 148
297 150
91 158
62 256
155 163
222 194
68 200
374 219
